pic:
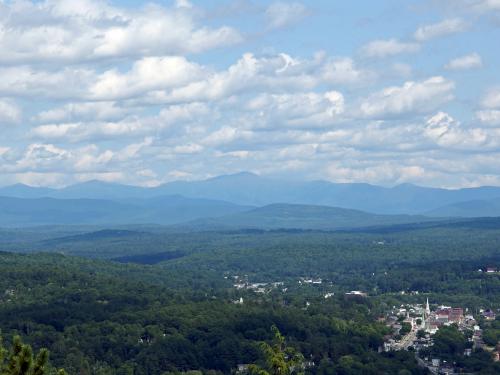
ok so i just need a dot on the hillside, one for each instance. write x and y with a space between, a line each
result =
296 216
22 212
89 312
472 208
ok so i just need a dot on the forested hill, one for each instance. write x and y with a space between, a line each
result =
102 318
171 306
23 212
191 213
295 216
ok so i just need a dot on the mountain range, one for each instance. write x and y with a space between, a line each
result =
248 189
166 210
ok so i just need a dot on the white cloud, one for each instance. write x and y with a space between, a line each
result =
173 79
447 132
281 14
25 81
297 110
9 112
83 111
443 28
190 148
279 73
489 117
120 94
83 30
465 62
248 74
225 135
183 4
84 131
390 47
412 97
148 74
492 99
132 150
344 71
486 5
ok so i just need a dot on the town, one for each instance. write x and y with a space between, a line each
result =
414 327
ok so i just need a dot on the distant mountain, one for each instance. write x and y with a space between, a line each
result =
25 191
295 216
252 190
22 212
473 208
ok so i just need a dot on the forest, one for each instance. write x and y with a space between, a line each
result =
151 301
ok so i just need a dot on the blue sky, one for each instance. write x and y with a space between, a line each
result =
385 92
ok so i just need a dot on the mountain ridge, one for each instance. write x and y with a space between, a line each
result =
249 189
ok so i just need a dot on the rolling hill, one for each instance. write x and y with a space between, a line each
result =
472 208
23 212
309 217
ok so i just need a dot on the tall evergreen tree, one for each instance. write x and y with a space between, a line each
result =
279 359
19 360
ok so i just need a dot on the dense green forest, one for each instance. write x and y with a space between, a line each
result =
152 301
104 322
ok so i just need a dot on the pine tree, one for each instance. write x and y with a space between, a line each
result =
279 359
20 360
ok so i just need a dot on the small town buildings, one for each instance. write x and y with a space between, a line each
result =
489 314
356 293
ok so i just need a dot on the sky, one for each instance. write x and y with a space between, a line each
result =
143 93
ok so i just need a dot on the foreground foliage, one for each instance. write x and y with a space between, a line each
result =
19 360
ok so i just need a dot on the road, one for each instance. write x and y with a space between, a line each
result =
407 341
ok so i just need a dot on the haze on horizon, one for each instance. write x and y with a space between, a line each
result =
144 93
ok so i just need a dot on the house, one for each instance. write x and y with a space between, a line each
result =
242 368
356 293
489 314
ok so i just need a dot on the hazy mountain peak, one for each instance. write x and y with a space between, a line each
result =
235 176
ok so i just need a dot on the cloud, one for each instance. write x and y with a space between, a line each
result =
489 117
127 94
85 30
303 110
85 131
174 79
10 113
412 97
448 132
485 5
390 47
86 111
443 28
343 70
248 74
25 81
465 62
282 14
225 135
147 74
491 99
183 4
278 73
